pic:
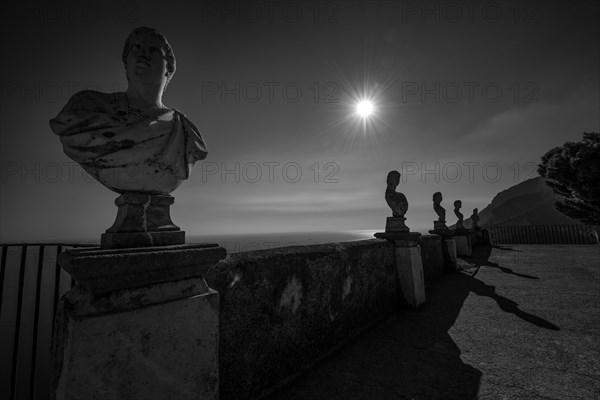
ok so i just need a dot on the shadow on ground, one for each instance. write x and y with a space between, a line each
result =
480 259
411 355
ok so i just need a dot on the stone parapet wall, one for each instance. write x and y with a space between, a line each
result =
284 309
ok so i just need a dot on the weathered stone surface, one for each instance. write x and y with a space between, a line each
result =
400 238
83 303
485 236
442 232
440 226
410 275
393 225
432 256
450 254
126 240
463 245
167 350
408 264
103 271
283 309
143 212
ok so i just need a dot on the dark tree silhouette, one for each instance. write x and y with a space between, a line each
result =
573 171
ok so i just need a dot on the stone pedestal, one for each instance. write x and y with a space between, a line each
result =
440 226
143 220
396 224
463 243
448 248
139 324
485 236
442 232
409 266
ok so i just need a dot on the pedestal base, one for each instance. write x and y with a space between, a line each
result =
161 351
139 324
408 239
409 265
143 220
124 240
396 225
103 270
442 232
485 236
440 226
463 245
449 249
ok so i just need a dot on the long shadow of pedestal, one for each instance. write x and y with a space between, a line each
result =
409 356
412 355
480 259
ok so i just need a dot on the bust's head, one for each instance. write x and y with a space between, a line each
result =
393 178
457 204
148 57
475 211
437 197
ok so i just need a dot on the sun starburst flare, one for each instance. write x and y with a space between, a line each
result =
364 108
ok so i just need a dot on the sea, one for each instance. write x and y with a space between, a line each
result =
236 243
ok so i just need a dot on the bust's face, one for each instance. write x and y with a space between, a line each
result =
146 61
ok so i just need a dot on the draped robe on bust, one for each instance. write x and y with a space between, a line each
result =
397 202
124 150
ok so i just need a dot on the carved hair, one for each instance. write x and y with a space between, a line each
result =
391 176
169 56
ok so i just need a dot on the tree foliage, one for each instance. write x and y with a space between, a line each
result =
573 171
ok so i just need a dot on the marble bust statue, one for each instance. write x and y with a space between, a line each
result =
459 215
395 225
133 144
437 207
439 226
397 201
130 141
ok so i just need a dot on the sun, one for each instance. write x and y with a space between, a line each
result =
364 108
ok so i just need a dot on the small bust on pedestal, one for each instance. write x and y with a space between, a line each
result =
475 220
439 226
399 205
397 202
459 224
133 144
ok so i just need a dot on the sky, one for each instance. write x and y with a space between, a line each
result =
467 97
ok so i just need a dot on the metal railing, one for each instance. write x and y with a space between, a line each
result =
31 283
544 234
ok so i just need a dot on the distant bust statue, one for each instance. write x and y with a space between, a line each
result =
397 201
437 207
457 206
130 141
475 220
